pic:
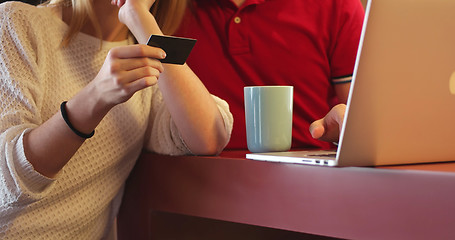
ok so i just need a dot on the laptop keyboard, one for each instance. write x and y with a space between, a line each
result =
330 155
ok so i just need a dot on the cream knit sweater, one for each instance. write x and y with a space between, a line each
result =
36 75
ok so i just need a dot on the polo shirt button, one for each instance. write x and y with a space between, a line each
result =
237 20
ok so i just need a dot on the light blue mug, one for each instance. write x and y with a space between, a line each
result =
268 118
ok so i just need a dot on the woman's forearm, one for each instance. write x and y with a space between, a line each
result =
51 145
193 110
191 106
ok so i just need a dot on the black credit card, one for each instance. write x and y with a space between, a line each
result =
177 49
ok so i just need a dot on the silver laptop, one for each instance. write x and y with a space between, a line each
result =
401 106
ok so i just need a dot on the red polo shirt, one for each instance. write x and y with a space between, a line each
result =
303 43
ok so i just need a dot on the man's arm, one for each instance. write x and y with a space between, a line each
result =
328 128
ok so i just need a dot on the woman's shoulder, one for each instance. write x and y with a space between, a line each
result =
14 8
19 13
21 22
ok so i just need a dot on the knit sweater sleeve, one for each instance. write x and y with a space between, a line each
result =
20 95
164 137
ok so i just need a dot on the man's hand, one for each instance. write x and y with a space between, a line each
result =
328 128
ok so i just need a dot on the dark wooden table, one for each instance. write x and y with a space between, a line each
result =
399 202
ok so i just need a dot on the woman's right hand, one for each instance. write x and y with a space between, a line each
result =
126 70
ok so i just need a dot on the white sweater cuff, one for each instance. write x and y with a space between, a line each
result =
32 180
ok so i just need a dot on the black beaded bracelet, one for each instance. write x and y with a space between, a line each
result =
65 117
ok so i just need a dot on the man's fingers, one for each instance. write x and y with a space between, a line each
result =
317 129
329 128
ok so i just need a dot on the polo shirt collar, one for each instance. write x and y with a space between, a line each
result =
248 2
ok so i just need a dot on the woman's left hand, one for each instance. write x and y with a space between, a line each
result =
128 7
135 14
146 3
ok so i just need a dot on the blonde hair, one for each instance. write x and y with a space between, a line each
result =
168 14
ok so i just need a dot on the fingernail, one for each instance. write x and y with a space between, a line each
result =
163 55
